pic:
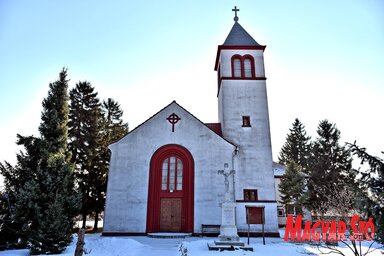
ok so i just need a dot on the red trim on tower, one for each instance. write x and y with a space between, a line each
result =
154 189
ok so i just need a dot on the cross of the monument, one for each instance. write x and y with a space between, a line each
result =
236 10
226 174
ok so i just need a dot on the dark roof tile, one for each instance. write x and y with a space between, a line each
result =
239 37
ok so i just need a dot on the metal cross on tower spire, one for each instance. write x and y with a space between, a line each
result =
236 10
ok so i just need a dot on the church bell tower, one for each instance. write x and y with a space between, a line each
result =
244 118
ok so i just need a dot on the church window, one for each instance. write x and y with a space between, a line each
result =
246 121
250 195
243 66
164 176
172 174
237 67
247 67
179 185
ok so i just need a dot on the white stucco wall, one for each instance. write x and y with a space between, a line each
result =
127 191
253 163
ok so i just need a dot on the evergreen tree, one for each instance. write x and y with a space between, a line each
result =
297 146
15 179
54 125
371 188
329 167
8 228
294 155
41 183
291 188
114 126
85 142
113 129
92 127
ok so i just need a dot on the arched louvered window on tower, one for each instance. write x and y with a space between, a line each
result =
247 67
243 66
236 67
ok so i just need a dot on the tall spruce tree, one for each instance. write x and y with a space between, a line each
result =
371 189
85 142
329 167
113 129
294 155
296 147
45 202
291 188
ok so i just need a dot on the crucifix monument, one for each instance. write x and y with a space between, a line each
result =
228 230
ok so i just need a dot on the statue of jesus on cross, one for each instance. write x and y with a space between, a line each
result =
226 174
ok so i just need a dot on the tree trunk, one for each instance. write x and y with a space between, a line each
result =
84 221
80 243
96 221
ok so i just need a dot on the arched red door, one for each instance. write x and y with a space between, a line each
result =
171 189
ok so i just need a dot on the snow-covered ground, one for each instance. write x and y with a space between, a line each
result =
97 245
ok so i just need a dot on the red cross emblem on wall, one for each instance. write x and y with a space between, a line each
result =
173 119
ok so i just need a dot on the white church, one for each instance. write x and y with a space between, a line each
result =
163 175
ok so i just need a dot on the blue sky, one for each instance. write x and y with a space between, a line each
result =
324 59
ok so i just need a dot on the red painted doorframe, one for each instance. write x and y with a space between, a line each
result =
154 189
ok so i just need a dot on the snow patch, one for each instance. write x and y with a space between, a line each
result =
196 246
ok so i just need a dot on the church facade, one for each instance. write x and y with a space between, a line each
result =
163 175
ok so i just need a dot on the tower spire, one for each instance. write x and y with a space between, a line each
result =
236 10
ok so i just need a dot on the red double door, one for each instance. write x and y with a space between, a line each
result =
170 193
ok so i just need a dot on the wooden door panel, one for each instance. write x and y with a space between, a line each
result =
170 214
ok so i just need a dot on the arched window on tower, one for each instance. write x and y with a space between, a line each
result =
236 67
247 67
243 66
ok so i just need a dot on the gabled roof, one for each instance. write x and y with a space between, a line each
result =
214 127
239 37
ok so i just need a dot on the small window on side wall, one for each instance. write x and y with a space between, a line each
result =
280 212
250 195
246 121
